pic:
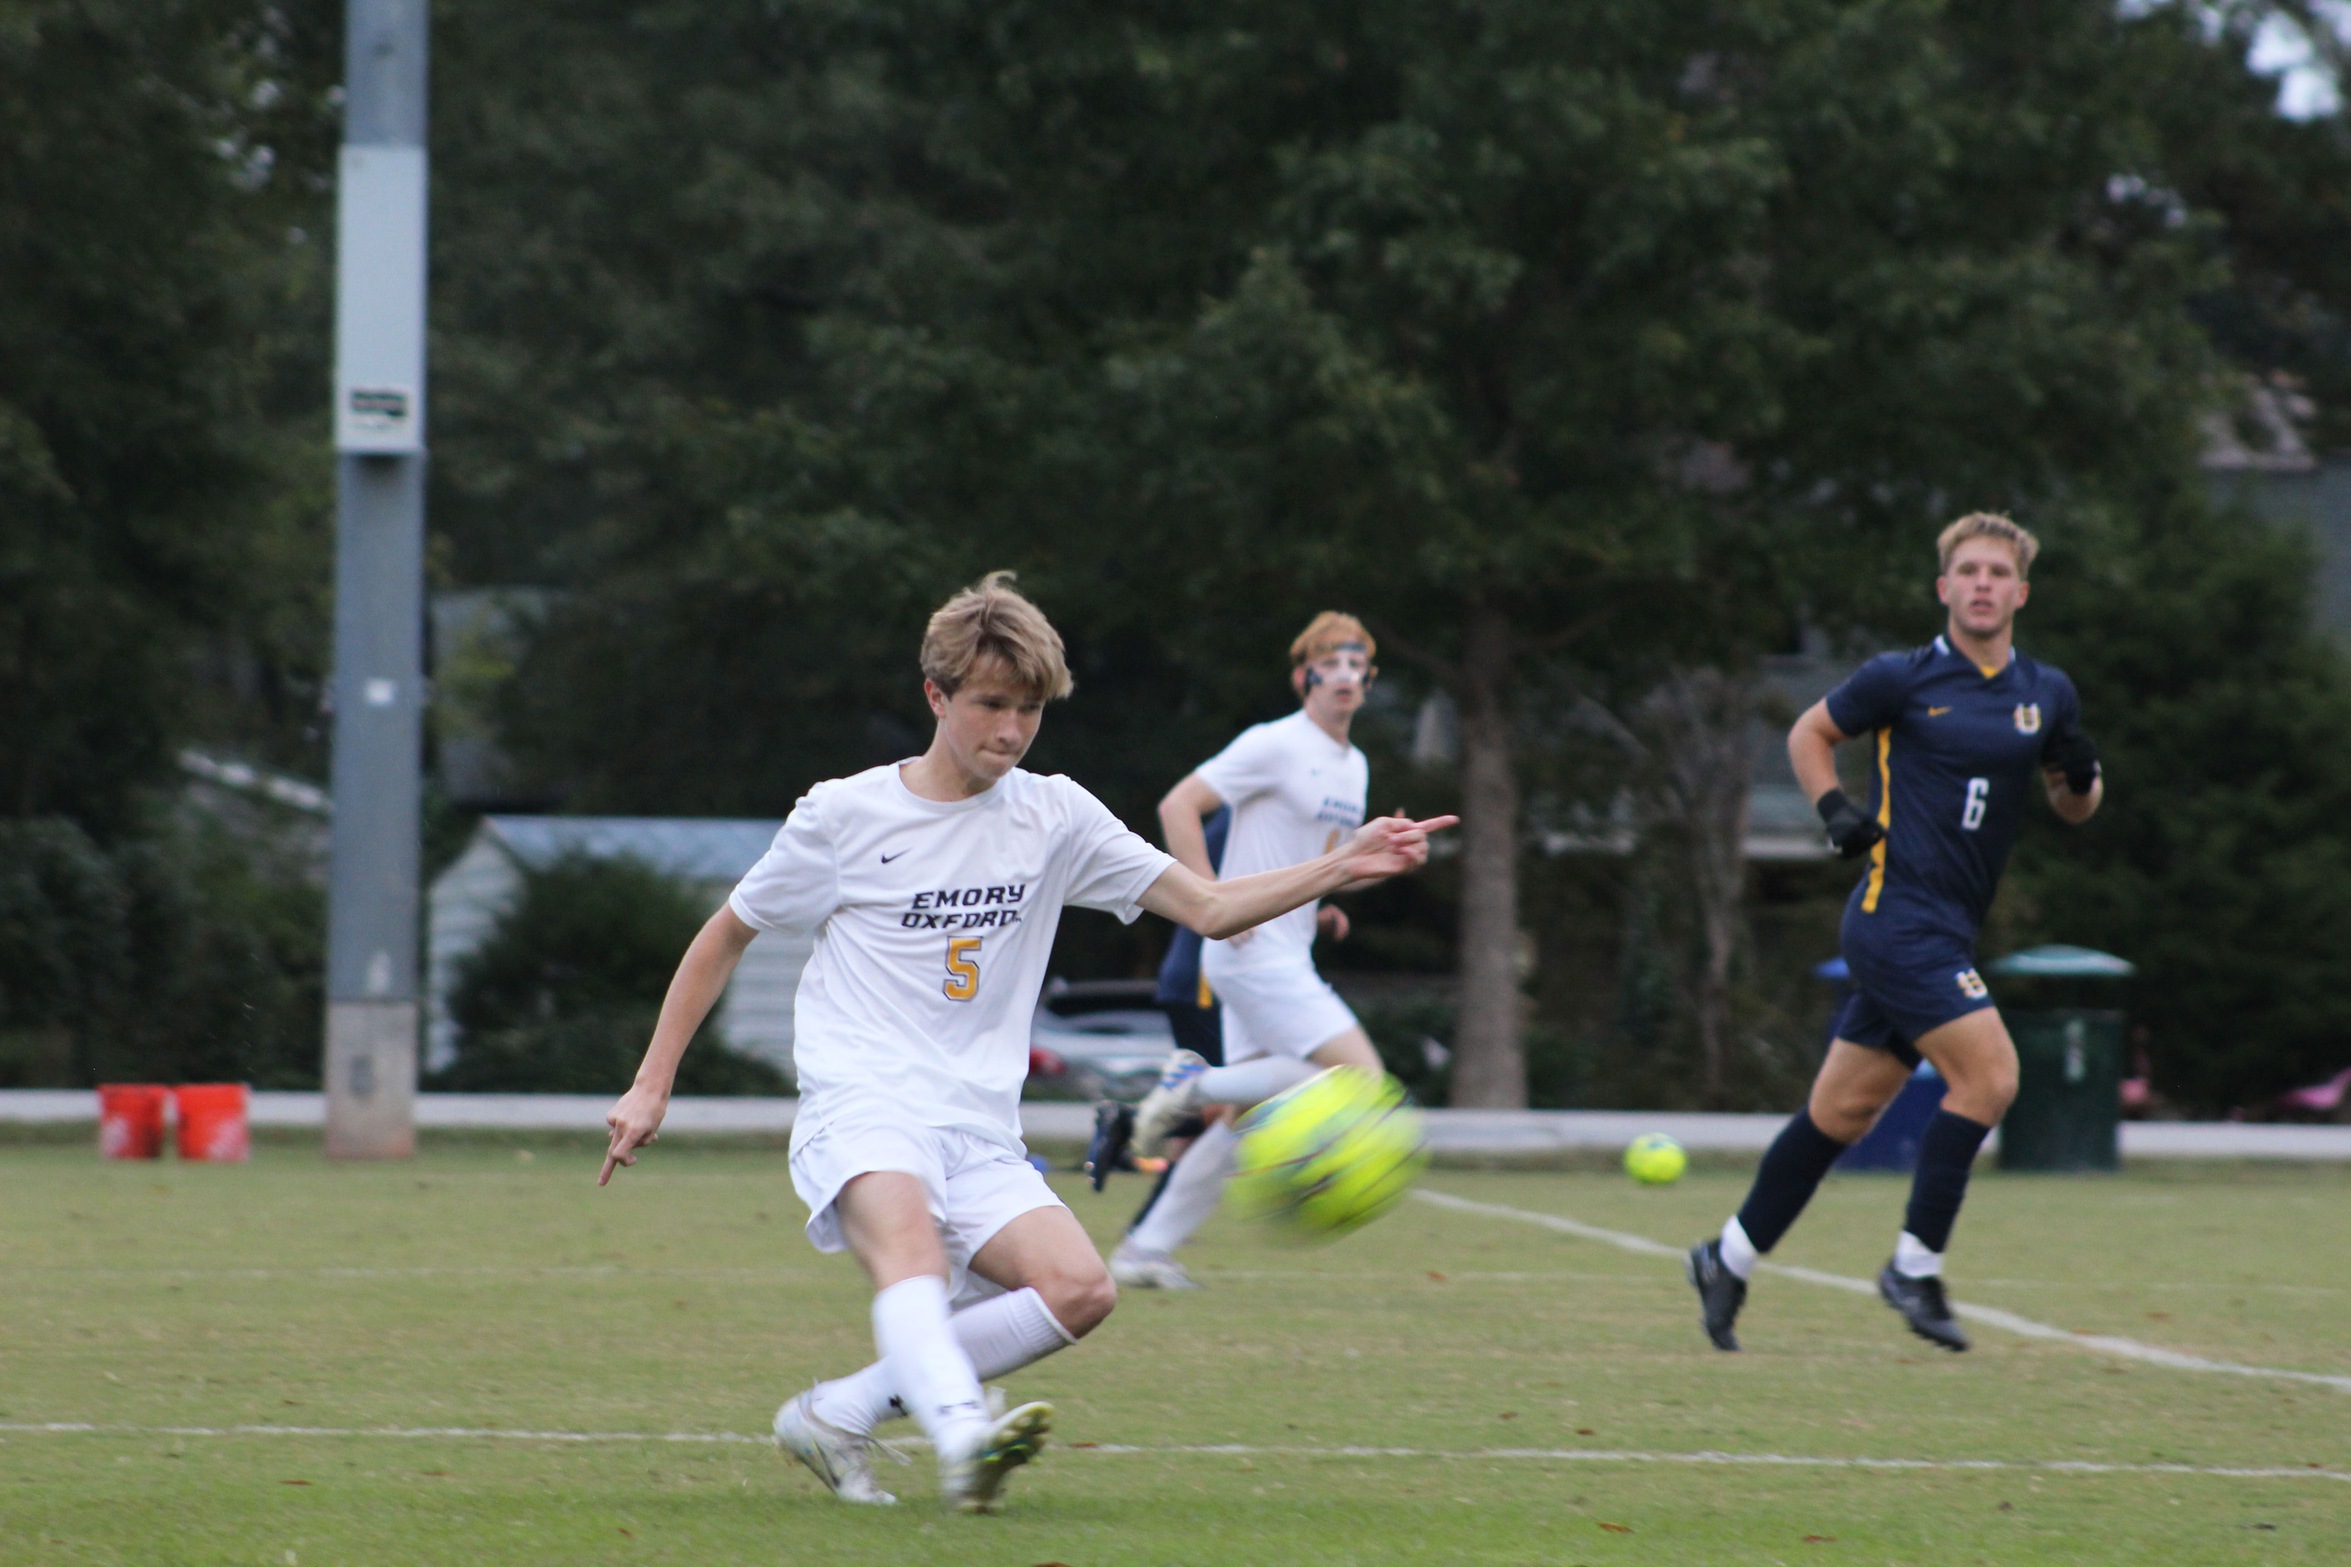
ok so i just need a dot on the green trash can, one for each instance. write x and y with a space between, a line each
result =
2068 1110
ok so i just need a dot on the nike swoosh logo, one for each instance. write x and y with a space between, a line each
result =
1937 712
901 854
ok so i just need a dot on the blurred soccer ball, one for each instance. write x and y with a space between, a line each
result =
1331 1155
1655 1159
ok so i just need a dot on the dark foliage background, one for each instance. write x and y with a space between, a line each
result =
1578 346
563 994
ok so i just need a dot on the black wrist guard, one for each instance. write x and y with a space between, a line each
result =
1851 833
2075 754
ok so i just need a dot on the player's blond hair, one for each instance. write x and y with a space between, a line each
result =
1990 525
989 621
1327 632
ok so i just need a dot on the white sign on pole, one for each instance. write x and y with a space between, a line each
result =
380 301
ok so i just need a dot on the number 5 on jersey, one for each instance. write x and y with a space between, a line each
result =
963 968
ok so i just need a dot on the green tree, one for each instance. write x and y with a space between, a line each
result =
1608 340
2219 864
181 955
143 256
1582 348
164 179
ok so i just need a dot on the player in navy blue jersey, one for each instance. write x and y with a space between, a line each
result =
1963 732
1194 1018
1183 992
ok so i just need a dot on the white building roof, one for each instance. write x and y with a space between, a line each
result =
687 847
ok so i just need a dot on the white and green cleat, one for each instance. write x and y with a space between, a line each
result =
1175 1098
843 1460
1136 1267
974 1481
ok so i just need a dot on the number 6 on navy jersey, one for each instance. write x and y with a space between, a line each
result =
1979 791
963 973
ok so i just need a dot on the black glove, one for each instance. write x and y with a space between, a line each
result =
2074 753
1852 833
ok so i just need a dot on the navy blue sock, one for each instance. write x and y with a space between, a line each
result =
1791 1170
1945 1156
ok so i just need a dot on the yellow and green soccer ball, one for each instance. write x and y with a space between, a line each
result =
1330 1155
1655 1159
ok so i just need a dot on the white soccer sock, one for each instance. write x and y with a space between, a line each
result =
999 1336
1192 1192
1913 1260
857 1402
1006 1332
932 1374
1738 1252
1253 1082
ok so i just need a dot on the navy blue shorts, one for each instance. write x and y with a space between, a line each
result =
1909 979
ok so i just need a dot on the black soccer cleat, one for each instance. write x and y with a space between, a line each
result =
1114 1128
1720 1293
1923 1306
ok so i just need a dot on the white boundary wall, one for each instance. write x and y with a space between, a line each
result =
1498 1132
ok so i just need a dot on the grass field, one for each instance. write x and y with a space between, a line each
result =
493 1290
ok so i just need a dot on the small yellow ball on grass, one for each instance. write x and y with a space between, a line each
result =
1655 1159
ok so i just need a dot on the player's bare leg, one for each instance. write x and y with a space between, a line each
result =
886 1220
1055 1292
1853 1087
1978 1061
1048 1251
1353 1048
1854 1084
1194 1164
887 1223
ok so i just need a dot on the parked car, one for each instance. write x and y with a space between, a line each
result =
1097 1039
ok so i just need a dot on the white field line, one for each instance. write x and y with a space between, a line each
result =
1564 1455
1989 1316
486 1271
785 1272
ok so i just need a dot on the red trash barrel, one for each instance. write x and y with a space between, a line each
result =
130 1120
212 1123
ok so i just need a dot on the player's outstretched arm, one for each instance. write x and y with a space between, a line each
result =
702 975
1388 846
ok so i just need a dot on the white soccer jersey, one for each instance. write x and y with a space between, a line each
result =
1296 793
933 922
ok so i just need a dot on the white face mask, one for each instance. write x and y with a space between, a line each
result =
1346 667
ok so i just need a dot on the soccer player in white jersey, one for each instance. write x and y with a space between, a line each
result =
1297 788
933 888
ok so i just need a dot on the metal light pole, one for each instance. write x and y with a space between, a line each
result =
379 585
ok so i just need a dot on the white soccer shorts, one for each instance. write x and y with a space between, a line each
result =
1277 1010
974 1187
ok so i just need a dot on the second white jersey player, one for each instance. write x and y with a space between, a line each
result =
1296 792
1296 787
